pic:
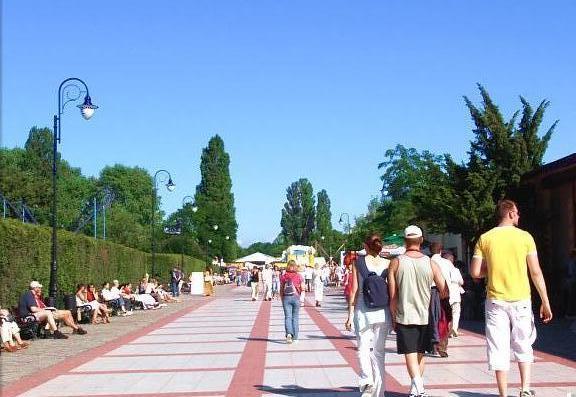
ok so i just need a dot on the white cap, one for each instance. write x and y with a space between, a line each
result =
35 284
412 231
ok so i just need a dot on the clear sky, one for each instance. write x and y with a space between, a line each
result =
316 89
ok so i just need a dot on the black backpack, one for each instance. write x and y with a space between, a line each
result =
289 288
374 286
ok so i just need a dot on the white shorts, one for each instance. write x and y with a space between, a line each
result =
509 325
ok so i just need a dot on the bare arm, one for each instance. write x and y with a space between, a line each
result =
392 288
353 296
538 280
477 268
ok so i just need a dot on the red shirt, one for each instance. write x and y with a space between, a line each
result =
39 301
296 280
348 279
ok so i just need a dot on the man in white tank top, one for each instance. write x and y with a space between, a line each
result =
409 278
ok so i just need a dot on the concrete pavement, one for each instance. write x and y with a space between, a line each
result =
231 346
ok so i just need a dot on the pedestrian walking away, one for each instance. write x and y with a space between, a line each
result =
291 286
440 310
455 289
308 273
368 309
409 278
505 255
254 282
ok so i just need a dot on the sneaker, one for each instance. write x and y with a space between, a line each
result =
443 354
527 393
59 335
367 391
129 313
289 339
423 394
79 331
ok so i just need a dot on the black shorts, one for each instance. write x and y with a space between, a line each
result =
412 339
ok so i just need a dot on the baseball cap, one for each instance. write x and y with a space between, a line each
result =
412 231
35 284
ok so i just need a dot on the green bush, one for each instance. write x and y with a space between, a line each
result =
25 256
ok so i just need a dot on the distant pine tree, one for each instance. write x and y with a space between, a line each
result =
215 202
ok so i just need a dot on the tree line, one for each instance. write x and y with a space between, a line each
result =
443 195
25 177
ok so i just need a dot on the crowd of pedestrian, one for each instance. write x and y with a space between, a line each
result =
419 297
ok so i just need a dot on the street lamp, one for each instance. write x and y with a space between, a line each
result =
170 186
185 201
70 90
347 223
189 200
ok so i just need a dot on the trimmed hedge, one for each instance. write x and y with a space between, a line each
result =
25 256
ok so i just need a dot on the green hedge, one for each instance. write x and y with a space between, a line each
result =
25 255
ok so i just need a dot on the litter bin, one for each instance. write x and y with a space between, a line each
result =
70 302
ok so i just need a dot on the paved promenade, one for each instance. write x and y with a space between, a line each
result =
231 346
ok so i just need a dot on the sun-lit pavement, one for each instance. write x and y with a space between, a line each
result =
231 346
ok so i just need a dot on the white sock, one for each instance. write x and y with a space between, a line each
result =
413 388
418 383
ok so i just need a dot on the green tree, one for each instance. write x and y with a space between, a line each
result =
39 147
508 148
298 215
412 182
323 214
131 211
215 202
500 154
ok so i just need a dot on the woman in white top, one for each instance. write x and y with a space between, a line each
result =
371 325
456 290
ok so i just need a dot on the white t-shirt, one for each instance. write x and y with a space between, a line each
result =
445 268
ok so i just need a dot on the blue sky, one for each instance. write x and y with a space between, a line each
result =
296 88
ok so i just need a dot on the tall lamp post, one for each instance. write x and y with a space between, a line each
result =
170 186
70 90
346 224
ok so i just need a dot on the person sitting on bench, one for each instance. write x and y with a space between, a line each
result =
10 332
115 300
31 303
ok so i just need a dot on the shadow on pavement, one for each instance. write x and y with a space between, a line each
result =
345 337
295 390
555 338
472 394
277 341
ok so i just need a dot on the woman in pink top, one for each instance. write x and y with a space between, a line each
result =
291 286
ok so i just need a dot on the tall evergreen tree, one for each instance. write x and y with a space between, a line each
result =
298 214
323 214
215 202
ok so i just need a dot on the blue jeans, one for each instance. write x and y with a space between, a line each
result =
174 288
291 305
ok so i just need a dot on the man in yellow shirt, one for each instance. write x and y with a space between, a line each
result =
505 255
